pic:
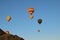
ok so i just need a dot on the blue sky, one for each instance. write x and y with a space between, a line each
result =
21 25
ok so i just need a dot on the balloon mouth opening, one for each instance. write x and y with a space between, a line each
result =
31 13
8 20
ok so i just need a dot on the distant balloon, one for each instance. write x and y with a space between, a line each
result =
8 18
31 16
7 32
39 21
38 30
31 10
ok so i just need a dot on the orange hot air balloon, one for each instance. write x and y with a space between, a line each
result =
8 18
31 10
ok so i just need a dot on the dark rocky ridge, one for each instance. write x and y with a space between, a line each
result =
1 32
4 36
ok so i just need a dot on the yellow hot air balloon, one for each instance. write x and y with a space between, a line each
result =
8 18
31 16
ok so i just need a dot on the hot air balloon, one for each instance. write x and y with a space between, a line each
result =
7 32
39 21
31 10
31 16
38 30
8 18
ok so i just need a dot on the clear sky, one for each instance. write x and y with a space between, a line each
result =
21 25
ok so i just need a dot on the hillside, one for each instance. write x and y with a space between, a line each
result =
4 36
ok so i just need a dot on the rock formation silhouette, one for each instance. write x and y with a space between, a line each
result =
4 36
